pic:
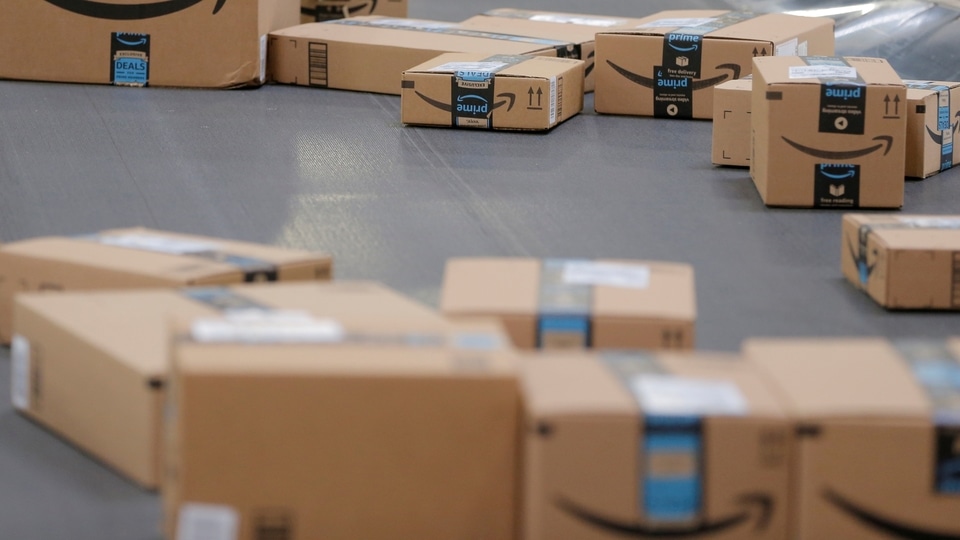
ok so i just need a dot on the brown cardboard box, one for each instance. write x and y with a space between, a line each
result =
578 29
904 261
933 122
668 65
329 10
559 303
372 431
370 53
492 92
877 445
850 154
142 258
198 43
731 122
98 361
643 445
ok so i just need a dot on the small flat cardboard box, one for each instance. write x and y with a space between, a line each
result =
143 258
370 53
904 261
185 43
526 93
330 10
577 28
560 303
669 63
877 440
397 430
650 445
828 132
92 366
933 125
731 122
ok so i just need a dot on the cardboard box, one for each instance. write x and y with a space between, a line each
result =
904 261
828 132
370 53
401 430
532 93
330 10
560 303
731 122
92 366
577 28
194 43
643 445
877 441
668 65
933 122
143 258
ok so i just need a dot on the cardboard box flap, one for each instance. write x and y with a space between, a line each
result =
668 293
772 27
508 66
664 22
575 33
913 232
514 286
564 384
179 257
418 34
349 348
869 71
839 378
918 89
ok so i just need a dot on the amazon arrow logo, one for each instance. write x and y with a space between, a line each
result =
887 525
590 64
695 85
937 137
841 156
128 12
509 100
757 503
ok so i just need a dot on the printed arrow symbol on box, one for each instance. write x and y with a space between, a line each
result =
127 12
762 502
696 85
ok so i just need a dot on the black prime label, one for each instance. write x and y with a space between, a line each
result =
683 47
947 460
836 185
842 108
672 96
129 59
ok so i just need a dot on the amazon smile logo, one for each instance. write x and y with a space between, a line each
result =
884 524
937 137
759 506
884 141
128 12
647 82
463 106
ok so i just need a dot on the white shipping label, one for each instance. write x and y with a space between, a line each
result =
266 326
823 72
197 521
680 396
678 22
601 22
469 66
633 276
20 372
158 243
263 58
409 23
802 48
553 100
788 48
932 222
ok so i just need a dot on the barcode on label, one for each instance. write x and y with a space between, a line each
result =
318 64
553 100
